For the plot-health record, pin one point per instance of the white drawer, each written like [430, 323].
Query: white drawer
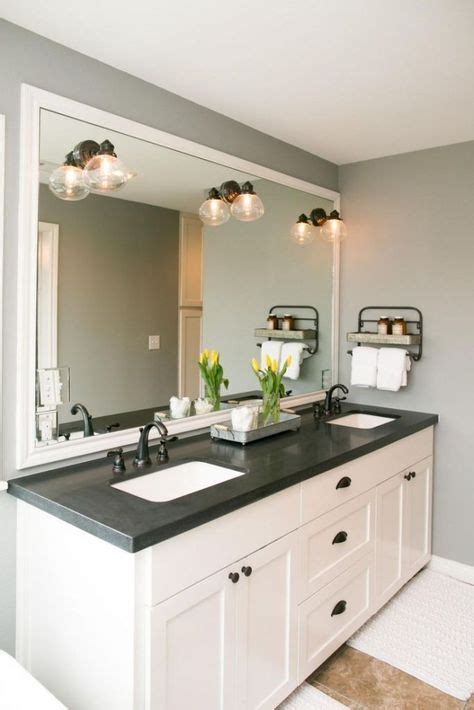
[330, 616]
[174, 564]
[332, 488]
[333, 542]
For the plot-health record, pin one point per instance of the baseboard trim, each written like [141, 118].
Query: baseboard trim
[458, 570]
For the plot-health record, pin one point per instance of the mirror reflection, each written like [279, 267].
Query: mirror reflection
[146, 258]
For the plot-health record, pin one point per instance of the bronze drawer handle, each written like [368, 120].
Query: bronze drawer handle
[345, 482]
[339, 608]
[340, 537]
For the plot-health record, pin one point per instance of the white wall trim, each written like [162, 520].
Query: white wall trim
[451, 568]
[32, 101]
[2, 188]
[3, 485]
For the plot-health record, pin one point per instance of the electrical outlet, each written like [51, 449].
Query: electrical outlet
[153, 342]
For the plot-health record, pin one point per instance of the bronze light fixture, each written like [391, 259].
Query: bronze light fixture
[332, 227]
[245, 204]
[89, 166]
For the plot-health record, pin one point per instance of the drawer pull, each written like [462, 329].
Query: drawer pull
[234, 577]
[345, 482]
[247, 571]
[410, 475]
[339, 608]
[340, 537]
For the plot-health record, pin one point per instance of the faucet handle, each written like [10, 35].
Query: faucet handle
[118, 465]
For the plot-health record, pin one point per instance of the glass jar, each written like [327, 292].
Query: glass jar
[399, 326]
[272, 322]
[271, 407]
[384, 325]
[288, 322]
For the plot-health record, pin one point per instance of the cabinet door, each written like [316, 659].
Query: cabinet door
[267, 625]
[417, 517]
[192, 648]
[190, 335]
[389, 538]
[190, 261]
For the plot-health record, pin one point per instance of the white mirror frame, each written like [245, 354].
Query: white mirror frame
[32, 101]
[3, 484]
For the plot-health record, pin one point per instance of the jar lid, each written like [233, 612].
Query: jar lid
[287, 315]
[383, 318]
[399, 318]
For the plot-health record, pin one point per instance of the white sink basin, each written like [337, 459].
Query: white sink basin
[359, 420]
[176, 481]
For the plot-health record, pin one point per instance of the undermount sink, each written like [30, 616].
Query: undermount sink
[176, 481]
[360, 420]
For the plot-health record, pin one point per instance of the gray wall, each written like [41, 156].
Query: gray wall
[35, 60]
[248, 267]
[411, 242]
[118, 284]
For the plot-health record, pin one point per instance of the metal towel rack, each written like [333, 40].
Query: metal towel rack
[374, 338]
[296, 335]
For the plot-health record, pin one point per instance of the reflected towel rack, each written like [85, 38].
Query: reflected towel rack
[298, 334]
[373, 338]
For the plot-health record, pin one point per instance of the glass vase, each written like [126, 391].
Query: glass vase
[271, 407]
[213, 396]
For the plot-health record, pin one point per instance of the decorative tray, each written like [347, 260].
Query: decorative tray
[288, 422]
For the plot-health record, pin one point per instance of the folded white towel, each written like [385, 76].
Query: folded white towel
[295, 350]
[273, 349]
[364, 366]
[391, 369]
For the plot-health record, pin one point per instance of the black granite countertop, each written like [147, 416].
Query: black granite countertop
[82, 495]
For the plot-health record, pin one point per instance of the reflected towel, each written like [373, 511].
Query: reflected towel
[272, 348]
[364, 366]
[391, 369]
[295, 350]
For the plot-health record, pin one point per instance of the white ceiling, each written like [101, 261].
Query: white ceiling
[165, 177]
[345, 79]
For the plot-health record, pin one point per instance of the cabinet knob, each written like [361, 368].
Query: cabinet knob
[234, 577]
[345, 482]
[410, 475]
[340, 537]
[339, 608]
[413, 474]
[247, 571]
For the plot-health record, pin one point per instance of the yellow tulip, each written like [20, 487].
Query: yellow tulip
[289, 360]
[255, 365]
[274, 366]
[268, 361]
[204, 355]
[214, 357]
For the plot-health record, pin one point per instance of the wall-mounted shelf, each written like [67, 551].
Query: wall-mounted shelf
[302, 334]
[373, 338]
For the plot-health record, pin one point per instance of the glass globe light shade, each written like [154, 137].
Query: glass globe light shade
[67, 183]
[248, 206]
[303, 231]
[214, 210]
[334, 228]
[105, 173]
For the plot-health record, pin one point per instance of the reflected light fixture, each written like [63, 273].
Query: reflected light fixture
[214, 211]
[332, 227]
[90, 166]
[245, 204]
[67, 181]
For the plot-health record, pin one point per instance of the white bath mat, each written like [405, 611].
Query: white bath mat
[426, 630]
[308, 698]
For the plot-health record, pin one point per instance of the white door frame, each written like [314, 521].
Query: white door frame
[32, 101]
[3, 484]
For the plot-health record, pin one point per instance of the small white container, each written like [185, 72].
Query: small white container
[202, 406]
[244, 418]
[180, 407]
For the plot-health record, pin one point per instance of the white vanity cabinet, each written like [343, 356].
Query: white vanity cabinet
[173, 628]
[225, 642]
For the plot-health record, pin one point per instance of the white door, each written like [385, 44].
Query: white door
[267, 625]
[192, 648]
[389, 538]
[417, 517]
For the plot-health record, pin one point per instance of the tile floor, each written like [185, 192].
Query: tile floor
[364, 683]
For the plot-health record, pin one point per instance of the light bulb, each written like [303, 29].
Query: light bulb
[334, 228]
[303, 231]
[248, 206]
[214, 210]
[67, 182]
[105, 172]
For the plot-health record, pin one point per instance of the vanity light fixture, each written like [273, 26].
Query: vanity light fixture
[332, 227]
[245, 204]
[214, 211]
[89, 166]
[67, 181]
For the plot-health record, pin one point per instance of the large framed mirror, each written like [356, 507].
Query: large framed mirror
[126, 276]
